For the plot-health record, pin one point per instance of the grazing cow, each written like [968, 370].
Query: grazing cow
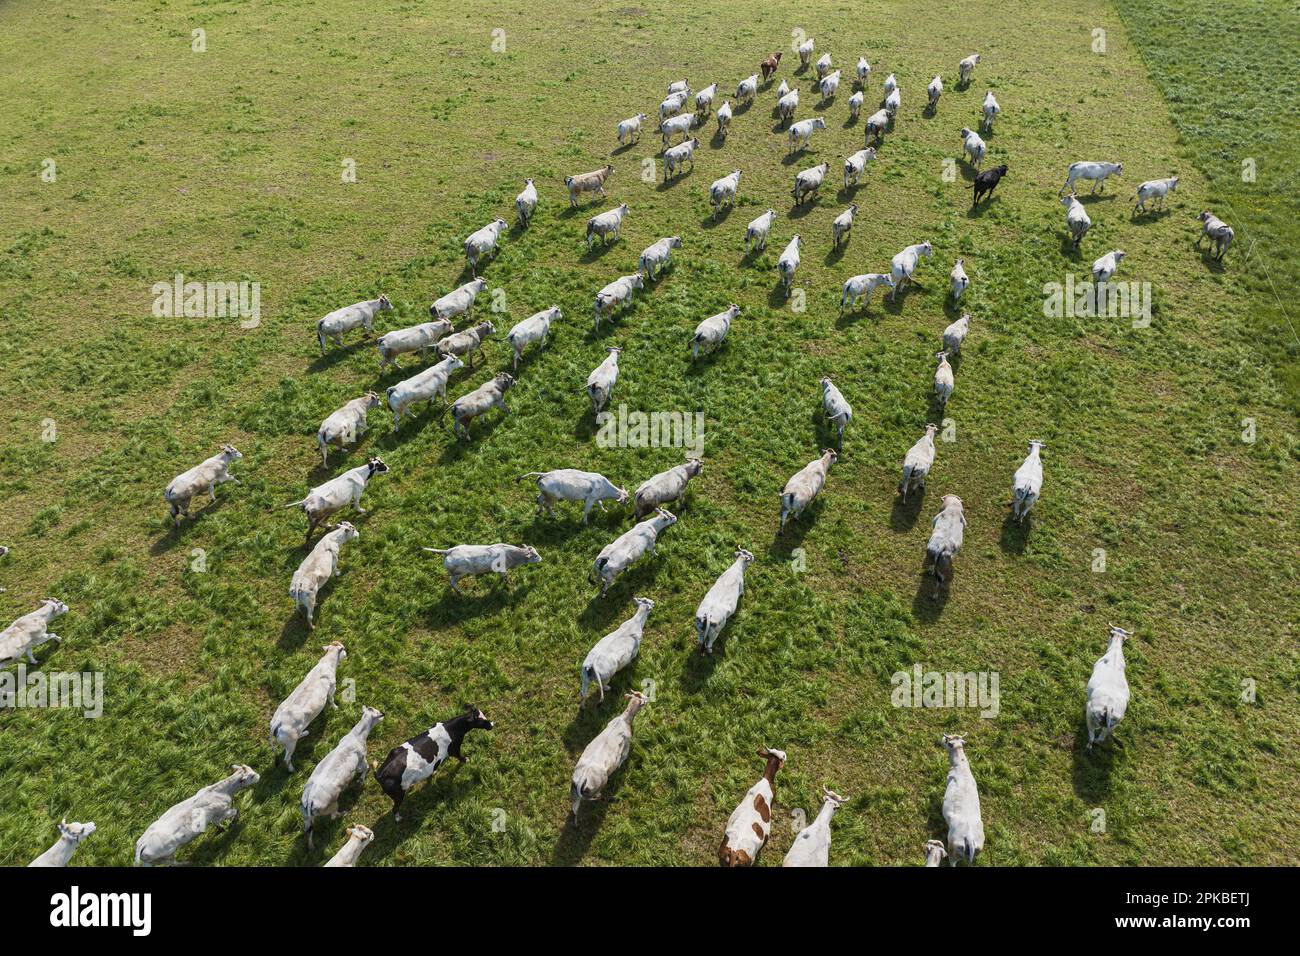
[961, 804]
[205, 476]
[29, 632]
[1218, 231]
[750, 823]
[945, 540]
[336, 771]
[70, 837]
[615, 651]
[605, 755]
[812, 844]
[629, 547]
[569, 484]
[419, 757]
[1107, 689]
[986, 182]
[1155, 190]
[188, 819]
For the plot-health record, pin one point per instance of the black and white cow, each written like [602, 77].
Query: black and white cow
[419, 757]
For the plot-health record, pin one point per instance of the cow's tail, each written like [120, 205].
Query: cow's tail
[436, 550]
[531, 474]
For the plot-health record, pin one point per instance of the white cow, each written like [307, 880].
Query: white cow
[304, 704]
[70, 837]
[721, 601]
[423, 387]
[465, 560]
[29, 632]
[627, 548]
[188, 819]
[903, 265]
[1097, 172]
[482, 242]
[1107, 689]
[569, 484]
[615, 651]
[605, 755]
[357, 315]
[917, 462]
[337, 493]
[317, 568]
[532, 330]
[359, 837]
[961, 804]
[812, 844]
[1028, 483]
[203, 477]
[600, 383]
[336, 772]
[345, 425]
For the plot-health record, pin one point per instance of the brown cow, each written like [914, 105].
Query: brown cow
[769, 65]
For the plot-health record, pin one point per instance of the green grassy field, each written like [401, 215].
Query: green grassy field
[226, 165]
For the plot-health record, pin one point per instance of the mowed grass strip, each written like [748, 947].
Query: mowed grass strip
[226, 165]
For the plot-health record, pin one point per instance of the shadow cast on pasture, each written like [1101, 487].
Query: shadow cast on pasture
[1015, 534]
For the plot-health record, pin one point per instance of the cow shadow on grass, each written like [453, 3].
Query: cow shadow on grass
[335, 354]
[576, 836]
[445, 788]
[930, 598]
[1069, 249]
[178, 533]
[698, 668]
[778, 298]
[214, 845]
[1091, 773]
[596, 252]
[1015, 534]
[1089, 198]
[799, 156]
[904, 514]
[457, 447]
[477, 597]
[718, 139]
[976, 211]
[836, 253]
[786, 542]
[712, 220]
[666, 184]
[620, 150]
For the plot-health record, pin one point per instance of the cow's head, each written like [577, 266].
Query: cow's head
[76, 832]
[476, 719]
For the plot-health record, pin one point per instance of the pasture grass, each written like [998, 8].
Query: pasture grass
[226, 165]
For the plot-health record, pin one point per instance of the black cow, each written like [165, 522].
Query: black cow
[985, 182]
[420, 756]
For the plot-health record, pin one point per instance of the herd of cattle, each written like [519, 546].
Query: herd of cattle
[417, 759]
